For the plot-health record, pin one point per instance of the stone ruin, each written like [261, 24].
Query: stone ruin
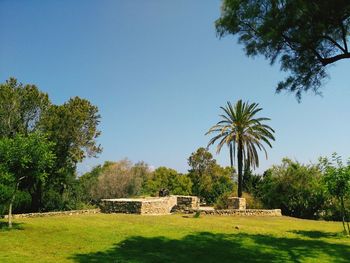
[150, 205]
[178, 203]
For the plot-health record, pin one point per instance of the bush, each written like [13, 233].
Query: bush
[209, 180]
[52, 200]
[220, 185]
[295, 188]
[170, 179]
[222, 202]
[252, 202]
[333, 209]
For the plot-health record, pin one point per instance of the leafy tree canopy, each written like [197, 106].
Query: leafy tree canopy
[169, 179]
[24, 160]
[71, 127]
[337, 179]
[21, 108]
[209, 179]
[305, 35]
[295, 188]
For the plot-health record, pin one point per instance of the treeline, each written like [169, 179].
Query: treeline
[314, 191]
[205, 179]
[41, 144]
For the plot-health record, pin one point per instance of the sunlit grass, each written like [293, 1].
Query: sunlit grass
[173, 238]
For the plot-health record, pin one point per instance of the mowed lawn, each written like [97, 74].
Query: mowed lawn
[172, 238]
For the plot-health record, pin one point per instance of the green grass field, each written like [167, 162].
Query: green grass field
[173, 238]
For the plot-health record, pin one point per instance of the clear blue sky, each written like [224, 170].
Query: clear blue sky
[158, 74]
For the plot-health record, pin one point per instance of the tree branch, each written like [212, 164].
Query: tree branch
[336, 44]
[289, 42]
[330, 60]
[343, 31]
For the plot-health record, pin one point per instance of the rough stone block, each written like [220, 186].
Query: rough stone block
[186, 202]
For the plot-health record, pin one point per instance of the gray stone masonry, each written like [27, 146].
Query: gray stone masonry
[149, 205]
[237, 203]
[238, 212]
[186, 202]
[58, 213]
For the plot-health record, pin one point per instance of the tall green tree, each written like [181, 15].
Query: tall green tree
[22, 107]
[337, 179]
[209, 180]
[243, 132]
[305, 35]
[24, 159]
[73, 127]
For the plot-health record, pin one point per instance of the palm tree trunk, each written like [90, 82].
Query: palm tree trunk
[231, 161]
[240, 168]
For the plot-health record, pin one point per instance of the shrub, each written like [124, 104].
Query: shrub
[170, 179]
[295, 188]
[209, 180]
[252, 202]
[222, 201]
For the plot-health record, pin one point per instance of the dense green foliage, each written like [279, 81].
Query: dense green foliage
[73, 128]
[305, 35]
[175, 238]
[170, 179]
[295, 188]
[337, 180]
[70, 131]
[243, 132]
[311, 191]
[209, 180]
[21, 108]
[25, 161]
[206, 179]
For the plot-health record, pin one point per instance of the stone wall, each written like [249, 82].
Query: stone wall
[239, 212]
[122, 205]
[186, 202]
[143, 206]
[159, 206]
[62, 213]
[152, 208]
[149, 205]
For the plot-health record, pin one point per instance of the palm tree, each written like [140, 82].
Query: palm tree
[243, 133]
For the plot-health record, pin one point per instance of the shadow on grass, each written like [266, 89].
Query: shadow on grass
[15, 226]
[317, 234]
[209, 247]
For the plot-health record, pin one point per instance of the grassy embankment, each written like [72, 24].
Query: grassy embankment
[173, 238]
